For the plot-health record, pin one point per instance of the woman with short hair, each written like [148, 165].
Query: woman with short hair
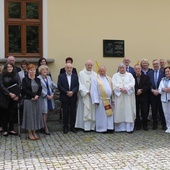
[32, 113]
[164, 90]
[47, 95]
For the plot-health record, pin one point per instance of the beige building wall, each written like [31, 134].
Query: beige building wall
[77, 28]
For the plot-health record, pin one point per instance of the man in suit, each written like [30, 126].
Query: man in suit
[68, 60]
[141, 93]
[11, 59]
[162, 64]
[155, 77]
[126, 62]
[68, 86]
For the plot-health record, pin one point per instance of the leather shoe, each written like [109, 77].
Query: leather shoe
[138, 128]
[164, 127]
[145, 128]
[46, 132]
[73, 130]
[13, 133]
[154, 127]
[5, 134]
[65, 130]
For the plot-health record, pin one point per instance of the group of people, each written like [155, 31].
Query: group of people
[33, 88]
[90, 101]
[95, 102]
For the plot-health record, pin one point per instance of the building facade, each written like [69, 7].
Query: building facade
[77, 28]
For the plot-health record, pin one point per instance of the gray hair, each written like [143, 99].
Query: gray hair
[42, 67]
[121, 65]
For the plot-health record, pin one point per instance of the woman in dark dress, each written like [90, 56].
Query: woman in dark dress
[32, 113]
[10, 78]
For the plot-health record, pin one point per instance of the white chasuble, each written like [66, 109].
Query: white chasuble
[85, 118]
[125, 105]
[103, 121]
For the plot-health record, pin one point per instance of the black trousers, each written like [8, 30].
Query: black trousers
[156, 107]
[1, 116]
[9, 116]
[143, 106]
[69, 110]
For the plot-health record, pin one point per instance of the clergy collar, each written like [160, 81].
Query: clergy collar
[88, 72]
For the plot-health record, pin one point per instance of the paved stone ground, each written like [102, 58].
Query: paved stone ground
[140, 150]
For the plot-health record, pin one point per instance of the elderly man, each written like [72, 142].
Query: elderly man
[101, 94]
[125, 107]
[68, 86]
[85, 110]
[11, 59]
[141, 92]
[162, 64]
[126, 62]
[155, 76]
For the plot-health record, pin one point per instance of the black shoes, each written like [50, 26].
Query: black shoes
[73, 130]
[145, 128]
[138, 127]
[10, 133]
[155, 127]
[164, 127]
[13, 133]
[44, 131]
[5, 134]
[65, 130]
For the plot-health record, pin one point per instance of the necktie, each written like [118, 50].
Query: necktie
[156, 78]
[138, 79]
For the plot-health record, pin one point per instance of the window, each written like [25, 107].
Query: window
[23, 28]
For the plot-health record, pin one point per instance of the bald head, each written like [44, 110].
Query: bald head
[68, 68]
[11, 59]
[102, 70]
[89, 65]
[162, 63]
[126, 61]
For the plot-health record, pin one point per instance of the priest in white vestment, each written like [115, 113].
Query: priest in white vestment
[124, 93]
[85, 118]
[101, 94]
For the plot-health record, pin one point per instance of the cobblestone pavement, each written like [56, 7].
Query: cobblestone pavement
[140, 150]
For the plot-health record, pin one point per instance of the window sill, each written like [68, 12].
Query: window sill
[30, 60]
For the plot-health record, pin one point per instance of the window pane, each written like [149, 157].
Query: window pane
[32, 39]
[14, 39]
[32, 10]
[14, 10]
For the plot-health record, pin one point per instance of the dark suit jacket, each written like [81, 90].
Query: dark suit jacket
[18, 69]
[151, 78]
[62, 70]
[144, 85]
[149, 69]
[64, 87]
[131, 70]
